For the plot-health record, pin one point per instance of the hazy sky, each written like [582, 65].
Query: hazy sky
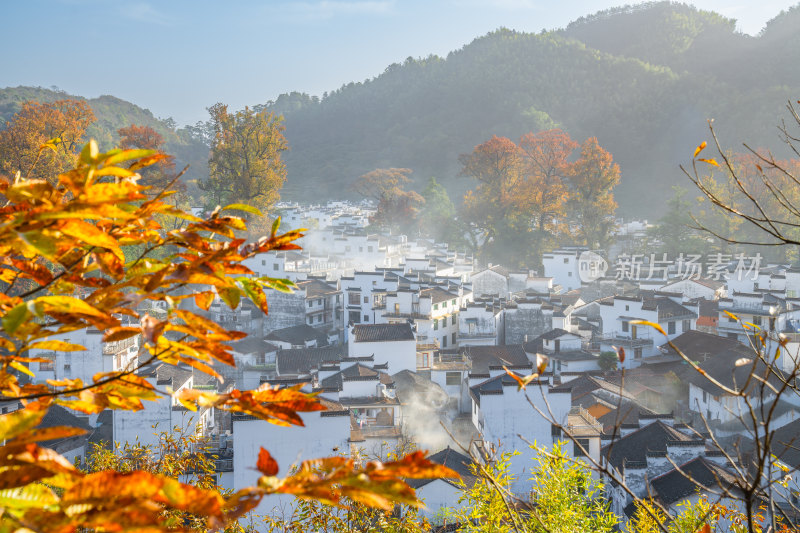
[177, 57]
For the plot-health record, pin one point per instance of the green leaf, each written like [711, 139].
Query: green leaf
[41, 242]
[32, 496]
[276, 225]
[254, 291]
[243, 207]
[90, 152]
[13, 319]
[120, 156]
[280, 285]
[230, 295]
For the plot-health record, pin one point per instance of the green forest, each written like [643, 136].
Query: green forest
[643, 80]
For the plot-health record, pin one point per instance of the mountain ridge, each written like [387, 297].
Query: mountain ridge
[642, 79]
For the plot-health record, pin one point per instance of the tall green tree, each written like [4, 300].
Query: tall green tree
[675, 229]
[245, 164]
[438, 217]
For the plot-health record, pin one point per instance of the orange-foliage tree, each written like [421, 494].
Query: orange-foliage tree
[531, 195]
[160, 175]
[397, 208]
[85, 250]
[591, 204]
[493, 207]
[61, 124]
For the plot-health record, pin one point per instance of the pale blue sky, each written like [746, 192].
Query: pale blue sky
[177, 57]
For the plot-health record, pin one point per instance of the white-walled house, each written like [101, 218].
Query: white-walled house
[501, 414]
[500, 282]
[363, 292]
[74, 449]
[563, 352]
[563, 266]
[166, 413]
[390, 344]
[729, 362]
[693, 480]
[323, 305]
[618, 312]
[369, 394]
[480, 323]
[324, 434]
[440, 494]
[456, 372]
[643, 454]
[98, 357]
[300, 336]
[434, 312]
[691, 288]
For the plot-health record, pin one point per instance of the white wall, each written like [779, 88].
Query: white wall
[400, 355]
[437, 495]
[322, 436]
[504, 417]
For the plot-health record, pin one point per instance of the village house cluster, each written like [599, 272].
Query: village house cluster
[409, 342]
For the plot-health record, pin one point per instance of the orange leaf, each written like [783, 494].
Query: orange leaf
[120, 333]
[204, 299]
[711, 161]
[521, 382]
[267, 465]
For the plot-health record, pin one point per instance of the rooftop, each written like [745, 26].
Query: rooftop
[382, 332]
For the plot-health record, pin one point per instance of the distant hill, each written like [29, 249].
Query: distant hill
[113, 113]
[642, 79]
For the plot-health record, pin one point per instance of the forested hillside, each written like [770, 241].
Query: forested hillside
[643, 80]
[111, 114]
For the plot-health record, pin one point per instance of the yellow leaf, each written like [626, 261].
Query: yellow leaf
[21, 421]
[711, 161]
[699, 148]
[22, 368]
[89, 234]
[68, 304]
[58, 346]
[651, 324]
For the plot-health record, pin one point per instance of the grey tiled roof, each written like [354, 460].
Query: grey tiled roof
[304, 360]
[675, 485]
[485, 357]
[634, 446]
[453, 460]
[382, 332]
[294, 335]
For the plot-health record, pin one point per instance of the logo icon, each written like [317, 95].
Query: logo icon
[591, 266]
